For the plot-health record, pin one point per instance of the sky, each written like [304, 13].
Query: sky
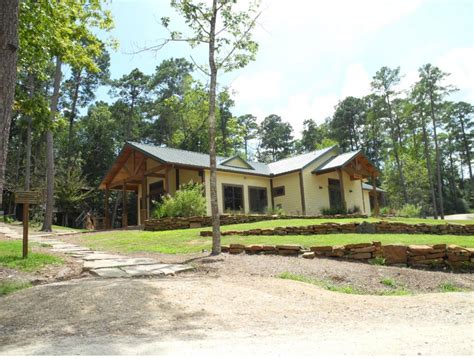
[312, 53]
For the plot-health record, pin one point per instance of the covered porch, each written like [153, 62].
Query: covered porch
[149, 178]
[351, 166]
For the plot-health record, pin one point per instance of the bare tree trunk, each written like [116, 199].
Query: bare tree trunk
[438, 160]
[48, 215]
[8, 60]
[428, 167]
[395, 142]
[468, 153]
[114, 212]
[31, 84]
[72, 116]
[216, 231]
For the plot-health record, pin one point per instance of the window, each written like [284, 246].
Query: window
[279, 191]
[233, 197]
[257, 199]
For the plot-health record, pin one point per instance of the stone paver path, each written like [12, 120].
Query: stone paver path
[101, 264]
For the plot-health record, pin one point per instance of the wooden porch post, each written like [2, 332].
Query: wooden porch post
[341, 185]
[106, 208]
[374, 193]
[167, 180]
[124, 206]
[144, 201]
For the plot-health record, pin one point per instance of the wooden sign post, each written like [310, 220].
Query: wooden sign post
[26, 198]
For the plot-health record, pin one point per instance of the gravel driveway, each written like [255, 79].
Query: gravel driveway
[230, 316]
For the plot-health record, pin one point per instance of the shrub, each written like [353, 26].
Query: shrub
[409, 210]
[333, 211]
[187, 201]
[385, 211]
[377, 261]
[278, 211]
[353, 210]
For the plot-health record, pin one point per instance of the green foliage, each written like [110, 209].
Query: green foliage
[410, 211]
[277, 211]
[332, 211]
[377, 261]
[276, 139]
[9, 286]
[187, 201]
[447, 287]
[389, 282]
[385, 211]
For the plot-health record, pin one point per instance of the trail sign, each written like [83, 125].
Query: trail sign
[26, 198]
[29, 197]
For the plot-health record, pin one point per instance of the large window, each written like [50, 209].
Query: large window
[233, 197]
[335, 197]
[257, 199]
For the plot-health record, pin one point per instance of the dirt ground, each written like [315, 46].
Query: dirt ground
[230, 316]
[234, 306]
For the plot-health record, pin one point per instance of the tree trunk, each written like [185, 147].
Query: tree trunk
[216, 231]
[72, 116]
[468, 153]
[428, 167]
[31, 84]
[395, 142]
[438, 160]
[8, 60]
[114, 212]
[48, 215]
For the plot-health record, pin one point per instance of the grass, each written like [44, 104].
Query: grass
[189, 240]
[449, 287]
[389, 282]
[11, 257]
[7, 287]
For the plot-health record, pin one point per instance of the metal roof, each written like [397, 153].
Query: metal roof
[337, 161]
[201, 160]
[297, 162]
[368, 187]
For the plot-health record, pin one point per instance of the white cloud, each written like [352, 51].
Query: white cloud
[460, 64]
[357, 81]
[261, 86]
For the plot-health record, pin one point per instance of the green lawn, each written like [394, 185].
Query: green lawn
[189, 240]
[11, 257]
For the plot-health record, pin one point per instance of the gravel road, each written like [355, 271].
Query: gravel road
[230, 316]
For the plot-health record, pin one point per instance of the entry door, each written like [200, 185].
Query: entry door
[258, 199]
[335, 198]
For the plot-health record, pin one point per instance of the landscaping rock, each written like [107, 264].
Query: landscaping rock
[308, 255]
[394, 254]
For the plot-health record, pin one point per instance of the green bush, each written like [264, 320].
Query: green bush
[333, 211]
[187, 201]
[409, 210]
[278, 211]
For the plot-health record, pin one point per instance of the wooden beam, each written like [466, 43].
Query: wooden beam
[374, 193]
[124, 206]
[167, 180]
[271, 193]
[177, 179]
[156, 169]
[141, 161]
[341, 186]
[303, 204]
[362, 191]
[106, 208]
[144, 201]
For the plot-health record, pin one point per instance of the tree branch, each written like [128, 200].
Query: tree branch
[200, 67]
[237, 42]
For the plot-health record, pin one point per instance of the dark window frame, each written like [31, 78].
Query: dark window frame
[275, 189]
[241, 187]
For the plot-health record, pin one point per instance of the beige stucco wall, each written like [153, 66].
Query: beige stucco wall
[237, 162]
[367, 202]
[291, 201]
[186, 176]
[237, 179]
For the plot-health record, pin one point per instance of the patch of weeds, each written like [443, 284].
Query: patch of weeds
[7, 287]
[449, 287]
[389, 282]
[321, 283]
[399, 291]
[45, 245]
[377, 261]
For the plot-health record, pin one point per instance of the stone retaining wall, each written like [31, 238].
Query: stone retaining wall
[364, 227]
[168, 223]
[438, 256]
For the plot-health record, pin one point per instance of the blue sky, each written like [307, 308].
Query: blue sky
[314, 53]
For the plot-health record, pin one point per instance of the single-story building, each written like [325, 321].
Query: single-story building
[301, 185]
